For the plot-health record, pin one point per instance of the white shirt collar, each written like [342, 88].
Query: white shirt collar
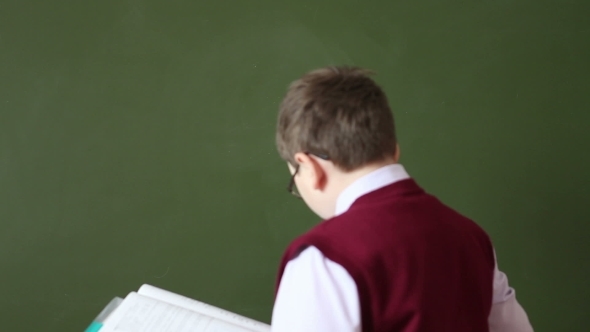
[377, 179]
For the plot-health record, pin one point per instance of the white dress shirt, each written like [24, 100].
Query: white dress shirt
[317, 294]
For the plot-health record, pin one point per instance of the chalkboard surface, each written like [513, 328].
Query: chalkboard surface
[137, 142]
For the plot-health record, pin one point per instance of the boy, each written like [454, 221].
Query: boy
[389, 256]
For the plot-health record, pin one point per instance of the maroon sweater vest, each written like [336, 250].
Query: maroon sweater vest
[418, 265]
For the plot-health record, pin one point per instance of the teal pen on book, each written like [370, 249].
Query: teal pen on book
[97, 323]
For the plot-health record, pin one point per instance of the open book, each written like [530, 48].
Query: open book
[152, 309]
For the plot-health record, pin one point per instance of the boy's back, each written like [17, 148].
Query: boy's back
[417, 264]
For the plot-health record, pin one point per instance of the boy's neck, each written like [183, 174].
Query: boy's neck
[345, 179]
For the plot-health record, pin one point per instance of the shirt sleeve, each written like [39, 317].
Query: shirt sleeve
[507, 315]
[316, 294]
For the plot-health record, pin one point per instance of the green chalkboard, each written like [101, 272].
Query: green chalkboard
[137, 142]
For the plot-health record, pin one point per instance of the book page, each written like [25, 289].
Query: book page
[203, 308]
[138, 313]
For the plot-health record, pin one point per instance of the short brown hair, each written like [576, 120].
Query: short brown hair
[339, 112]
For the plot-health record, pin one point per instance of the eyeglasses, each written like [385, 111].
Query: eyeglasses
[292, 188]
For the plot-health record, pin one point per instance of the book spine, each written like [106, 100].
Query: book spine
[94, 327]
[98, 322]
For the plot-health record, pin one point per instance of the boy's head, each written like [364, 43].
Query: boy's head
[334, 126]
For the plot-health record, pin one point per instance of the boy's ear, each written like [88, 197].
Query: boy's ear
[311, 171]
[397, 153]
